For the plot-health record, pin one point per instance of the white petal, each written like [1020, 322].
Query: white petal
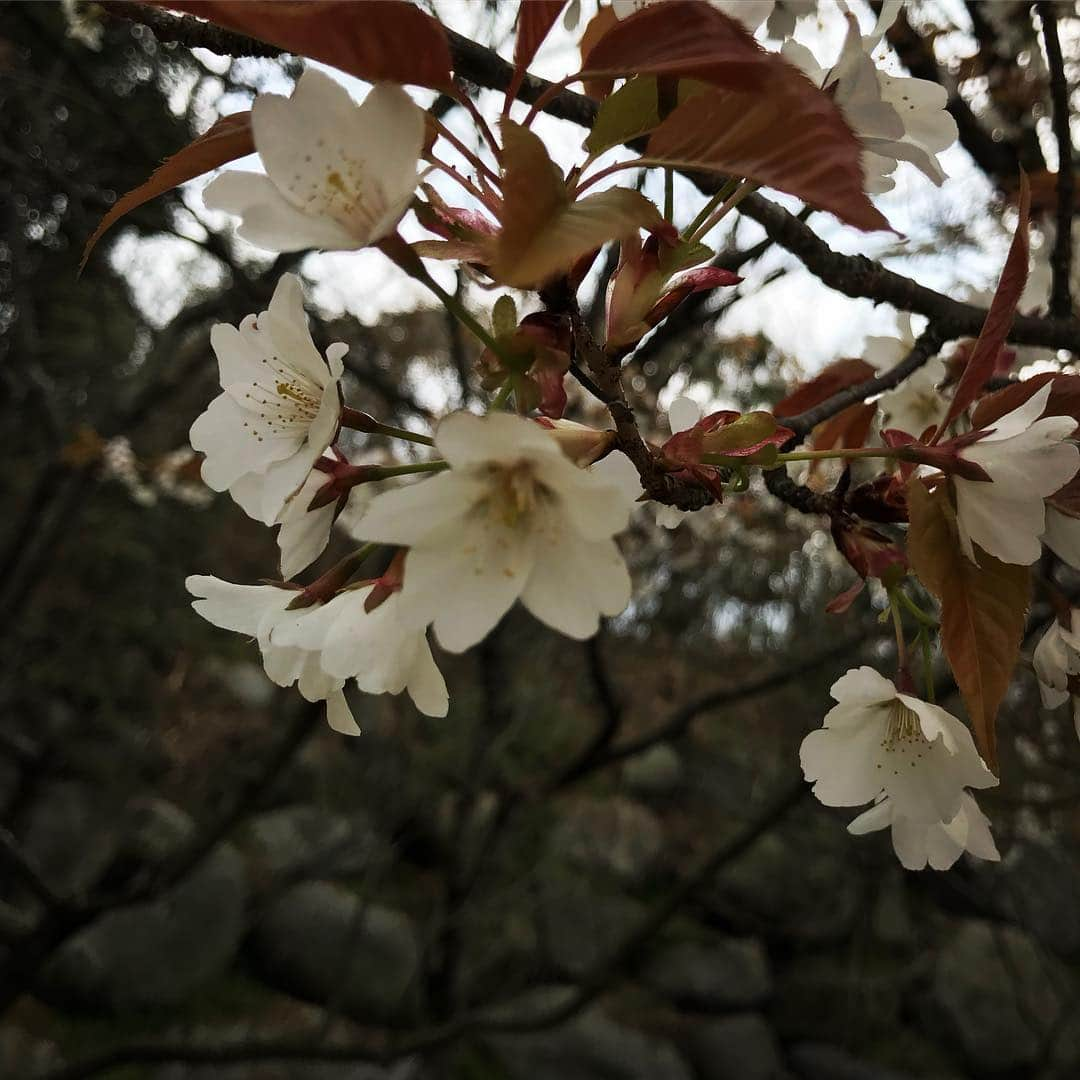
[575, 582]
[465, 439]
[339, 716]
[465, 582]
[980, 841]
[862, 686]
[842, 765]
[879, 816]
[268, 219]
[426, 685]
[409, 514]
[239, 608]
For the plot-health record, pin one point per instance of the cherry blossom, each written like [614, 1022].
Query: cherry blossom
[917, 402]
[938, 844]
[897, 118]
[512, 519]
[1056, 658]
[876, 740]
[256, 610]
[376, 648]
[279, 408]
[1027, 459]
[338, 175]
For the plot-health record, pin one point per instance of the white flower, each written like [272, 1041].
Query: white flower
[338, 175]
[939, 844]
[512, 519]
[279, 410]
[916, 403]
[304, 533]
[876, 740]
[376, 648]
[1056, 657]
[255, 610]
[895, 117]
[751, 13]
[1027, 459]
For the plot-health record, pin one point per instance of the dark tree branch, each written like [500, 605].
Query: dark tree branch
[1061, 259]
[804, 499]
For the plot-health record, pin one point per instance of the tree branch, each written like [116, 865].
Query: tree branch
[1061, 259]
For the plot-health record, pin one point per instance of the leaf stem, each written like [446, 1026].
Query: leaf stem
[830, 455]
[725, 191]
[501, 397]
[669, 193]
[747, 187]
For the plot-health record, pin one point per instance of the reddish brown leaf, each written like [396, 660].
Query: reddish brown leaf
[598, 26]
[230, 138]
[542, 231]
[535, 19]
[999, 318]
[983, 609]
[378, 40]
[833, 378]
[1064, 399]
[789, 135]
[1067, 499]
[686, 38]
[847, 430]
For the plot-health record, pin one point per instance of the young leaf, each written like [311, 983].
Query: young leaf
[632, 111]
[543, 232]
[598, 26]
[230, 138]
[832, 378]
[999, 318]
[686, 38]
[982, 609]
[378, 40]
[790, 136]
[848, 429]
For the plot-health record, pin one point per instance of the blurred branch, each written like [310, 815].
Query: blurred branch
[611, 709]
[680, 720]
[1061, 259]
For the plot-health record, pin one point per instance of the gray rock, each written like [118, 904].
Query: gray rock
[70, 836]
[590, 1047]
[741, 1047]
[614, 835]
[158, 953]
[23, 1054]
[578, 930]
[323, 943]
[656, 772]
[1037, 885]
[798, 882]
[308, 839]
[816, 1061]
[1002, 998]
[715, 973]
[303, 1070]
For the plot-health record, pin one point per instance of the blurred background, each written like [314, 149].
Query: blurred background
[609, 841]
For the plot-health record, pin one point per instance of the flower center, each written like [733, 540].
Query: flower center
[514, 493]
[903, 740]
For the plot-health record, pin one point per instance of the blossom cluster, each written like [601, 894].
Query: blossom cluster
[525, 505]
